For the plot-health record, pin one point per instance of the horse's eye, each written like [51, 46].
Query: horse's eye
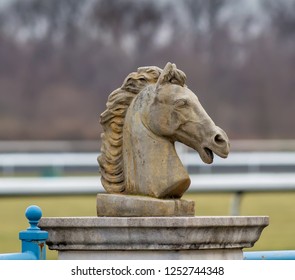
[180, 103]
[142, 80]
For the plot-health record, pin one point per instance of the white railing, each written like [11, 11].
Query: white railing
[253, 161]
[232, 183]
[280, 178]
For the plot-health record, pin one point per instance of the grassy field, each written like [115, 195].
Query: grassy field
[279, 235]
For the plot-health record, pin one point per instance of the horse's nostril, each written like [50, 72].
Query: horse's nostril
[219, 139]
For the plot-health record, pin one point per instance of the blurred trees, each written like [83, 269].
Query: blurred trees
[60, 59]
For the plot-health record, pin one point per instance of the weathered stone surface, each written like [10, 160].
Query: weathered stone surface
[153, 109]
[153, 234]
[116, 205]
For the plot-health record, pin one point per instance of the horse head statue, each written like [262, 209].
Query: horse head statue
[144, 118]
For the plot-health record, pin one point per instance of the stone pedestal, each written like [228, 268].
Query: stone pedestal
[117, 205]
[152, 237]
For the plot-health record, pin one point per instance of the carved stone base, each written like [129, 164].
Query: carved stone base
[116, 205]
[152, 237]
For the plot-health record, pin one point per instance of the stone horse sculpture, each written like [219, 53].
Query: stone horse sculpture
[153, 109]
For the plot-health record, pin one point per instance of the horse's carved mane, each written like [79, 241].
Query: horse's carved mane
[112, 121]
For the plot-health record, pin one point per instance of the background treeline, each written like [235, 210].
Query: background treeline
[60, 59]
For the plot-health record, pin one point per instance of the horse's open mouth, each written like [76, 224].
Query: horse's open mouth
[207, 155]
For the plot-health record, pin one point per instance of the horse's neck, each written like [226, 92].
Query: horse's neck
[151, 164]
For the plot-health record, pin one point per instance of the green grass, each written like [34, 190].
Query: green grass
[12, 219]
[279, 235]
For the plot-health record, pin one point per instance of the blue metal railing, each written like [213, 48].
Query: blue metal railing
[33, 239]
[270, 255]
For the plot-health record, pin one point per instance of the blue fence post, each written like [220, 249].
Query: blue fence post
[34, 239]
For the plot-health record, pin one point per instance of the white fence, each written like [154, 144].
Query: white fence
[253, 161]
[253, 180]
[235, 183]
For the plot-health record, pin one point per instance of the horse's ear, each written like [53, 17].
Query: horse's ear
[171, 74]
[166, 74]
